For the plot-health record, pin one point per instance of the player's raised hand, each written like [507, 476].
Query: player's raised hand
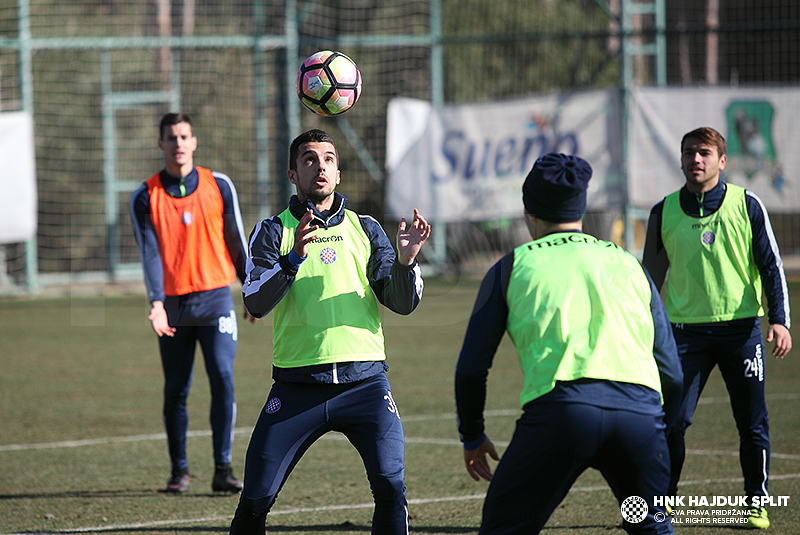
[302, 234]
[477, 463]
[410, 238]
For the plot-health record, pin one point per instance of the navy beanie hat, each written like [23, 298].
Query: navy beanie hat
[555, 189]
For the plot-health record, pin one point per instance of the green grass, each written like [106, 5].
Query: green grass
[87, 369]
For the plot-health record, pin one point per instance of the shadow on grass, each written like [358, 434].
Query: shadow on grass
[593, 528]
[119, 493]
[162, 529]
[345, 527]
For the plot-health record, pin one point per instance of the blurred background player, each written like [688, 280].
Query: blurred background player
[189, 229]
[716, 241]
[322, 269]
[596, 352]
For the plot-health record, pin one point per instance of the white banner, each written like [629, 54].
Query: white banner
[18, 179]
[759, 126]
[468, 163]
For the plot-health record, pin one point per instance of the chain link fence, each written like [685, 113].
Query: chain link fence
[98, 74]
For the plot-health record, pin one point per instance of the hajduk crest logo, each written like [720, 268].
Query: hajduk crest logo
[327, 255]
[708, 237]
[273, 406]
[187, 218]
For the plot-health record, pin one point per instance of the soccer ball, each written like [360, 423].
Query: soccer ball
[328, 83]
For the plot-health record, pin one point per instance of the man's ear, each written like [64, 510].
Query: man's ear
[292, 176]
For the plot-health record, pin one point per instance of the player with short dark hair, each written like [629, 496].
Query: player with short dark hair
[716, 241]
[597, 356]
[188, 226]
[321, 270]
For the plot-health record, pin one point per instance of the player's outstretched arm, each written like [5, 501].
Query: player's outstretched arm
[477, 463]
[410, 238]
[783, 340]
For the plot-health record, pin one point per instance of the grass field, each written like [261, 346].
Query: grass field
[82, 447]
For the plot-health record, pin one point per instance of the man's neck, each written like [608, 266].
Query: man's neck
[179, 171]
[539, 228]
[324, 206]
[699, 189]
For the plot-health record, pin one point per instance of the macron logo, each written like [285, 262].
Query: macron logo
[328, 239]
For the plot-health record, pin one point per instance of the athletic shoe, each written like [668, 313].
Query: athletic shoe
[757, 518]
[178, 483]
[224, 481]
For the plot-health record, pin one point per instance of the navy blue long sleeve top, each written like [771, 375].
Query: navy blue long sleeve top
[765, 247]
[486, 329]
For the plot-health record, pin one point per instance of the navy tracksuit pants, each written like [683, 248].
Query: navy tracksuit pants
[556, 442]
[295, 416]
[739, 354]
[207, 318]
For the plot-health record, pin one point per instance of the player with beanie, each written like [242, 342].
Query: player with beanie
[601, 372]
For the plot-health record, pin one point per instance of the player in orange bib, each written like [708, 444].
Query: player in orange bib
[188, 225]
